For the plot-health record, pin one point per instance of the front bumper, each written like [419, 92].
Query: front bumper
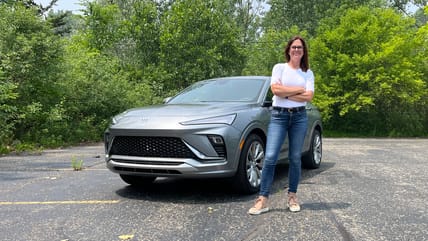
[166, 167]
[187, 153]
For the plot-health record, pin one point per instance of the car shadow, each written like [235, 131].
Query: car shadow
[176, 190]
[200, 191]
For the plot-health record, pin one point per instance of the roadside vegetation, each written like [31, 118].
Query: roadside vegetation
[63, 75]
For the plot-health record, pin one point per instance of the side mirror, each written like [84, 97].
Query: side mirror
[267, 103]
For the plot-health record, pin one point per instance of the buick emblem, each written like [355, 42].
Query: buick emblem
[144, 119]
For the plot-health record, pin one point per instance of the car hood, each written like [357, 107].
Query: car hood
[170, 116]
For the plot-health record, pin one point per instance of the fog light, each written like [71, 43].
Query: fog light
[218, 143]
[216, 140]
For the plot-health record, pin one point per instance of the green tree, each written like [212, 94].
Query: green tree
[198, 41]
[8, 112]
[421, 17]
[129, 32]
[268, 51]
[104, 26]
[247, 15]
[30, 60]
[307, 14]
[64, 23]
[110, 67]
[421, 59]
[31, 4]
[402, 5]
[366, 75]
[126, 29]
[96, 88]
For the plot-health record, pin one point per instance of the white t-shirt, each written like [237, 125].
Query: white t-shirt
[285, 75]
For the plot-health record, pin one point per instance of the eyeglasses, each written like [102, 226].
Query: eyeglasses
[297, 47]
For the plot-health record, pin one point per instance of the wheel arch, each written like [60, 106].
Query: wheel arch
[317, 125]
[249, 131]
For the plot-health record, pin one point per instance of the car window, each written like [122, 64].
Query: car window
[221, 90]
[269, 95]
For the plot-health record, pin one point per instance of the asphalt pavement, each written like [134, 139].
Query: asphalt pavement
[365, 189]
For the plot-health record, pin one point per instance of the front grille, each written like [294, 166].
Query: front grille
[150, 146]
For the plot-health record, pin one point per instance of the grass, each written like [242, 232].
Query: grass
[76, 164]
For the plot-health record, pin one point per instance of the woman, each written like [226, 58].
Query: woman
[292, 84]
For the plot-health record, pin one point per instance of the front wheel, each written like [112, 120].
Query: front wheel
[248, 176]
[312, 159]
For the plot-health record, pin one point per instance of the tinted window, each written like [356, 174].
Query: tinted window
[221, 90]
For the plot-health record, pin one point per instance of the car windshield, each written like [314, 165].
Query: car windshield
[221, 90]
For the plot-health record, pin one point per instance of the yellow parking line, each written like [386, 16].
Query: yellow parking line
[62, 202]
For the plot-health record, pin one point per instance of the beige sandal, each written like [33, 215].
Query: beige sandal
[260, 206]
[293, 203]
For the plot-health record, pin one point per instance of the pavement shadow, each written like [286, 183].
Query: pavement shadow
[281, 176]
[325, 206]
[316, 206]
[177, 190]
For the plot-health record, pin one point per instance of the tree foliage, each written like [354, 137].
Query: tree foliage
[198, 41]
[31, 56]
[307, 14]
[367, 73]
[248, 16]
[63, 76]
[268, 51]
[97, 87]
[128, 30]
[8, 111]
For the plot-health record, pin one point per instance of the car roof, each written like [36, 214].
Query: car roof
[243, 77]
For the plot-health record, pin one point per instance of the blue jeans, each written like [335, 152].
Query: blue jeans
[281, 123]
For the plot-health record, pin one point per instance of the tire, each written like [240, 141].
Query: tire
[312, 159]
[249, 173]
[137, 180]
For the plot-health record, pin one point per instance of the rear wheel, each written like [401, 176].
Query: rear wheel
[137, 180]
[312, 159]
[249, 173]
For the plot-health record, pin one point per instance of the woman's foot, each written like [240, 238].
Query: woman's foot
[260, 206]
[293, 203]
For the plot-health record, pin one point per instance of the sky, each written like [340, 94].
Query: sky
[71, 5]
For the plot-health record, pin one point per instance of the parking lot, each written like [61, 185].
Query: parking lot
[366, 189]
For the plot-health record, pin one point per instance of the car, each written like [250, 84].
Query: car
[215, 128]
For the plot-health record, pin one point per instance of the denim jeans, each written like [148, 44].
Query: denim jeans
[281, 123]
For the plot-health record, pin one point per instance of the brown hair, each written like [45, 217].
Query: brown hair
[304, 62]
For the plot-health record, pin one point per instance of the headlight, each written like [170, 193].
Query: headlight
[224, 119]
[117, 118]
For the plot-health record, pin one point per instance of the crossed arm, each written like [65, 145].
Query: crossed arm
[294, 93]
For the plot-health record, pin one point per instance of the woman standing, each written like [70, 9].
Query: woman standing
[292, 84]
